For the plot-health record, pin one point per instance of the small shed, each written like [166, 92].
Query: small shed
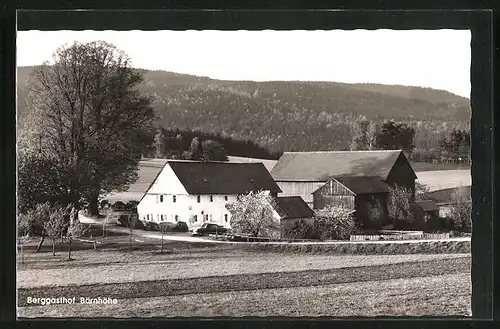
[292, 210]
[426, 210]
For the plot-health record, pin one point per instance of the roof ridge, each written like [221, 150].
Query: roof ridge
[357, 151]
[214, 162]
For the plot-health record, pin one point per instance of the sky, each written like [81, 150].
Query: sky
[437, 59]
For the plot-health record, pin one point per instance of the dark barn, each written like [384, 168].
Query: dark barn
[302, 173]
[367, 196]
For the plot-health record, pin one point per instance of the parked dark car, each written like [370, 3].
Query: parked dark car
[210, 228]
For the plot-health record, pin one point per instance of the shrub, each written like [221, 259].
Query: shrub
[123, 221]
[166, 226]
[180, 227]
[151, 226]
[301, 229]
[460, 215]
[131, 206]
[334, 222]
[399, 206]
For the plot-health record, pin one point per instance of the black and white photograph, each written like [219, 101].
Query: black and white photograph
[262, 173]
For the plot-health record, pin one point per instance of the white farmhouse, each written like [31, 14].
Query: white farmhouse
[197, 192]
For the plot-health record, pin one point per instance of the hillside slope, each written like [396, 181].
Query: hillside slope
[287, 115]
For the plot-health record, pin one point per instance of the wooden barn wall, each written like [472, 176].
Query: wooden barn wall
[302, 189]
[334, 193]
[402, 174]
[366, 215]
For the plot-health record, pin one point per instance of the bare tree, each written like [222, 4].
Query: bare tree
[31, 222]
[85, 109]
[132, 220]
[75, 230]
[54, 226]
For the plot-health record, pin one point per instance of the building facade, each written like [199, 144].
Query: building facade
[196, 192]
[366, 196]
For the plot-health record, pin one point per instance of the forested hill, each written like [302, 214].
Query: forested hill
[282, 115]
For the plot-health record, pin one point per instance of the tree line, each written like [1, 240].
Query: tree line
[452, 146]
[204, 146]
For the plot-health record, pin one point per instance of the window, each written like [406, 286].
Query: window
[161, 198]
[195, 218]
[211, 198]
[198, 199]
[206, 217]
[225, 197]
[176, 218]
[147, 216]
[161, 217]
[157, 217]
[174, 198]
[225, 218]
[210, 217]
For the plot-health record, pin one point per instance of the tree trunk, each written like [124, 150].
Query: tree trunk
[62, 239]
[53, 246]
[93, 209]
[42, 238]
[131, 236]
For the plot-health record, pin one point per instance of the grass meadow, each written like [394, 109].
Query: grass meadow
[208, 280]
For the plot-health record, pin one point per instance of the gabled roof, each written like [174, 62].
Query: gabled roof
[427, 205]
[446, 196]
[361, 185]
[269, 164]
[223, 177]
[293, 207]
[323, 165]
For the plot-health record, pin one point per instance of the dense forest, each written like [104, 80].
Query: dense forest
[272, 117]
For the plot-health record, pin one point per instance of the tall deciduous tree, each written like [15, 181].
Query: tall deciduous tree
[195, 150]
[159, 144]
[40, 180]
[253, 214]
[88, 116]
[213, 151]
[393, 136]
[361, 140]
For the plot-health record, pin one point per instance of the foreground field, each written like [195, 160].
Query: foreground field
[197, 280]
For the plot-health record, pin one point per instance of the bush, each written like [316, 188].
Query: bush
[302, 229]
[167, 226]
[151, 226]
[333, 222]
[131, 206]
[123, 221]
[180, 227]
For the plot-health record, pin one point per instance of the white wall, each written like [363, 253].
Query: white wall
[159, 200]
[186, 208]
